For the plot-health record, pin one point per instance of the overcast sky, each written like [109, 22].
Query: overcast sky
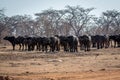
[30, 7]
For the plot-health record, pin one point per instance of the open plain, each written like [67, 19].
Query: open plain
[102, 64]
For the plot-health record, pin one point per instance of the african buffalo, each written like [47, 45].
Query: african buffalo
[12, 40]
[72, 43]
[84, 42]
[115, 39]
[100, 41]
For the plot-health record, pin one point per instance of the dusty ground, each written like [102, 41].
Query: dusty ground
[101, 64]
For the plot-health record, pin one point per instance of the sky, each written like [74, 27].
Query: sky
[30, 7]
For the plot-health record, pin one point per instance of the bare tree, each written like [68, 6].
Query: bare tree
[108, 18]
[65, 28]
[21, 25]
[73, 20]
[78, 18]
[50, 21]
[2, 23]
[116, 24]
[107, 23]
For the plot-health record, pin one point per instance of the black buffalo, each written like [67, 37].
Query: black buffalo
[45, 42]
[54, 44]
[39, 43]
[12, 40]
[63, 42]
[115, 39]
[69, 43]
[72, 43]
[100, 41]
[31, 42]
[84, 42]
[20, 40]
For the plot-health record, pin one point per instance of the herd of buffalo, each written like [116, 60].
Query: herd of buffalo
[66, 43]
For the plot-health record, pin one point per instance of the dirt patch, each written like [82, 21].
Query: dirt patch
[6, 78]
[103, 64]
[98, 75]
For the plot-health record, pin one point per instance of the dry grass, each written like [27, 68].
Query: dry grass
[101, 64]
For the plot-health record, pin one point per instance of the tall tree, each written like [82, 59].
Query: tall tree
[78, 18]
[2, 23]
[108, 18]
[21, 25]
[50, 21]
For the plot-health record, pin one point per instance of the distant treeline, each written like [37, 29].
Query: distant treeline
[72, 20]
